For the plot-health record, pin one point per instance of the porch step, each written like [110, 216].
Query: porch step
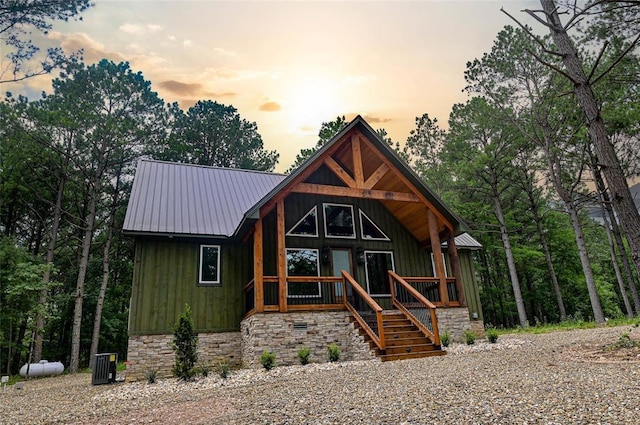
[403, 340]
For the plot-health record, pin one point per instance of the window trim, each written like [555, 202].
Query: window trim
[315, 208]
[218, 271]
[324, 219]
[366, 269]
[362, 236]
[317, 251]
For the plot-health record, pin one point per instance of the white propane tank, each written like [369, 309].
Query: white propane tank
[43, 368]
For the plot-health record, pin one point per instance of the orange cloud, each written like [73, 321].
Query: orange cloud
[92, 51]
[376, 120]
[181, 88]
[270, 107]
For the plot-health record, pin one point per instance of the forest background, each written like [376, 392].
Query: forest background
[537, 162]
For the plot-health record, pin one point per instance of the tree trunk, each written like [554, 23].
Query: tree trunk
[606, 204]
[82, 272]
[598, 315]
[95, 338]
[616, 267]
[547, 256]
[621, 196]
[511, 264]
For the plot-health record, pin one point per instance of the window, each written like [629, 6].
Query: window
[338, 221]
[369, 230]
[307, 226]
[444, 261]
[209, 264]
[303, 262]
[377, 265]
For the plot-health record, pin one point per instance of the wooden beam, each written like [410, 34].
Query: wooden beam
[454, 260]
[339, 171]
[258, 269]
[318, 189]
[437, 257]
[282, 257]
[357, 160]
[406, 181]
[376, 176]
[301, 177]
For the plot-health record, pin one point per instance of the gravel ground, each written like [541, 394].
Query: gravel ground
[556, 378]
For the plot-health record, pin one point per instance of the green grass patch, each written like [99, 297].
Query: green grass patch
[568, 325]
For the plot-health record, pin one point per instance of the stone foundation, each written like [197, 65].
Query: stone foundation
[456, 321]
[285, 333]
[154, 352]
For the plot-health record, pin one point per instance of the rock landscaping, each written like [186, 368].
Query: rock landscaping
[571, 377]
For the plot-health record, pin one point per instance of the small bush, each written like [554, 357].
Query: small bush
[185, 344]
[469, 337]
[445, 339]
[333, 352]
[223, 368]
[204, 369]
[268, 360]
[492, 335]
[151, 375]
[303, 355]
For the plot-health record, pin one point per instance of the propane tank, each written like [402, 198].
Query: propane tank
[43, 368]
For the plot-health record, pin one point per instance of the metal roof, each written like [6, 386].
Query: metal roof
[465, 240]
[186, 199]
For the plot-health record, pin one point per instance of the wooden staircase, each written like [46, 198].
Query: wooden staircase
[403, 340]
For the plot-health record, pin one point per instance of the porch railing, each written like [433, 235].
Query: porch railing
[429, 287]
[303, 293]
[364, 309]
[416, 306]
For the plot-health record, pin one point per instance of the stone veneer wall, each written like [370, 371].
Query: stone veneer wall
[276, 332]
[456, 321]
[154, 352]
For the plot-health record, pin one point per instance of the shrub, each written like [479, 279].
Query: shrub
[268, 360]
[303, 355]
[185, 344]
[492, 335]
[333, 352]
[151, 375]
[469, 337]
[223, 368]
[445, 339]
[204, 369]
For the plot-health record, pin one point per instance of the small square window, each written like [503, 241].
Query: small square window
[338, 221]
[209, 264]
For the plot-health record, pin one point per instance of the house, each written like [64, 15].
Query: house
[351, 248]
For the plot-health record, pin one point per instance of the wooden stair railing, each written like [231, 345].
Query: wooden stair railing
[415, 306]
[355, 294]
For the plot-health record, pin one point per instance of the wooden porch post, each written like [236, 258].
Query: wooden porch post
[455, 267]
[258, 270]
[282, 257]
[437, 258]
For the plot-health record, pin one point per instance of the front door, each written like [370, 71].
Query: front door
[340, 260]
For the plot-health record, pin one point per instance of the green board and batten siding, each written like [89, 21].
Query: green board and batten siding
[166, 278]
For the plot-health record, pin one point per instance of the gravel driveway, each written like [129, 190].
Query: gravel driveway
[556, 378]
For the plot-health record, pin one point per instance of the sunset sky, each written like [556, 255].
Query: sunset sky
[289, 66]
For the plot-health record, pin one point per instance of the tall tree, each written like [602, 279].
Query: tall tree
[482, 147]
[19, 19]
[116, 113]
[210, 133]
[624, 17]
